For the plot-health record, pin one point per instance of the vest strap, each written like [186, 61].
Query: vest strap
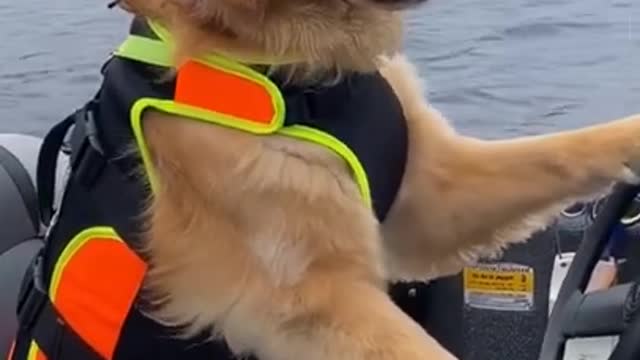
[146, 50]
[32, 293]
[52, 144]
[51, 334]
[47, 164]
[223, 92]
[87, 156]
[45, 330]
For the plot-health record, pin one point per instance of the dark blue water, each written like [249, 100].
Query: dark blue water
[495, 68]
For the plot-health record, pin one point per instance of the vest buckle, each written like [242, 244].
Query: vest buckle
[87, 152]
[33, 296]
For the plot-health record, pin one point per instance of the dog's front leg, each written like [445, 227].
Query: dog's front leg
[474, 197]
[266, 241]
[465, 198]
[330, 316]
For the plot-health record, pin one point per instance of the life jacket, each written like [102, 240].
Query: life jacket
[81, 298]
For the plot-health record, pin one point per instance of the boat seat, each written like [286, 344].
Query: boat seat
[20, 225]
[13, 265]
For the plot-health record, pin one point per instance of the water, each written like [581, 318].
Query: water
[495, 68]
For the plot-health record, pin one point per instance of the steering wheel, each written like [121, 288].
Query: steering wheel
[599, 313]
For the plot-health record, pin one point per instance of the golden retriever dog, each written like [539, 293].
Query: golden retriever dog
[264, 240]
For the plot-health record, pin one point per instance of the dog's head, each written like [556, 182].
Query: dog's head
[305, 37]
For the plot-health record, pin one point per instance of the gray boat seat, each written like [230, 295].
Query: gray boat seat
[20, 226]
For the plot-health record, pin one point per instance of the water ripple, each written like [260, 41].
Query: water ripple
[495, 68]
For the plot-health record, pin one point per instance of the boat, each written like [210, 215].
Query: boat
[475, 323]
[21, 231]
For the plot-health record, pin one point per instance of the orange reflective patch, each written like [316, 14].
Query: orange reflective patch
[96, 289]
[223, 92]
[40, 356]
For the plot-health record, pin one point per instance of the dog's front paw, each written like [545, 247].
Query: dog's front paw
[611, 150]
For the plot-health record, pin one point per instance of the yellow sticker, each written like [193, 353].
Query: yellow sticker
[502, 286]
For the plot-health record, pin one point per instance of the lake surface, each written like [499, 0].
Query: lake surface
[495, 68]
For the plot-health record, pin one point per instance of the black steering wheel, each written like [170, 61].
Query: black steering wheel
[600, 313]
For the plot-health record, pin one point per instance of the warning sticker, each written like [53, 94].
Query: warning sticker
[503, 286]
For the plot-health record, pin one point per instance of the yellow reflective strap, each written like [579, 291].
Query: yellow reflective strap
[322, 138]
[145, 50]
[195, 113]
[157, 52]
[296, 131]
[34, 350]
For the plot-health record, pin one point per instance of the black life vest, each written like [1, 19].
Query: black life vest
[68, 309]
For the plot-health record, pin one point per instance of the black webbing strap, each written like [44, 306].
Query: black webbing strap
[47, 165]
[83, 136]
[39, 321]
[58, 341]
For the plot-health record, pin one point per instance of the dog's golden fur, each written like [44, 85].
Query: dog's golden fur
[265, 241]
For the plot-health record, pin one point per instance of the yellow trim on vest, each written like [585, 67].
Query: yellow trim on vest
[150, 51]
[155, 52]
[34, 349]
[72, 248]
[175, 108]
[158, 53]
[322, 138]
[172, 107]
